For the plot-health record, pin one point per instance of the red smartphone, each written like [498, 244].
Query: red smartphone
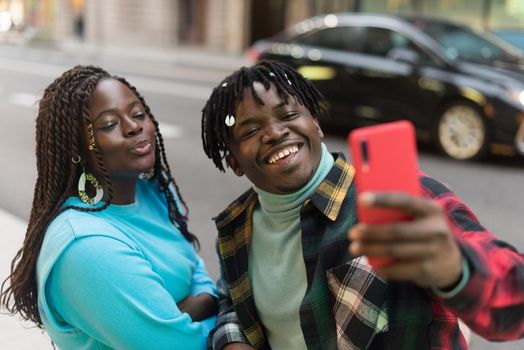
[385, 159]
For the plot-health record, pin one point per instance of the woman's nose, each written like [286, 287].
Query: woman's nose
[132, 126]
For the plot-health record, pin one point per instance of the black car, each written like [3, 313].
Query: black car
[462, 89]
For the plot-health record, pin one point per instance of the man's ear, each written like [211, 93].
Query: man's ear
[319, 129]
[233, 164]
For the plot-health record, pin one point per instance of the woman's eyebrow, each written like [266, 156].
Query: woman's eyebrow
[115, 110]
[107, 111]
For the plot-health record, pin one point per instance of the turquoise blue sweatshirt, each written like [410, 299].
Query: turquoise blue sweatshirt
[112, 279]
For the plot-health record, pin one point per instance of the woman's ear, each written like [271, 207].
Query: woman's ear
[233, 164]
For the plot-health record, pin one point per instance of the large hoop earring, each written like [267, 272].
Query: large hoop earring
[82, 188]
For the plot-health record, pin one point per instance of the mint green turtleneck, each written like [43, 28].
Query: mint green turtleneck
[276, 265]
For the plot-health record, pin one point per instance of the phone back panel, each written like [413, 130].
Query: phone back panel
[385, 158]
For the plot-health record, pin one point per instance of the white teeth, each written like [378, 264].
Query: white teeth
[283, 153]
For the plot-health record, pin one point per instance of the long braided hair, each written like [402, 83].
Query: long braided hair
[229, 93]
[63, 115]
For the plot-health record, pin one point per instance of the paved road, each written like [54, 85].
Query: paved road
[492, 188]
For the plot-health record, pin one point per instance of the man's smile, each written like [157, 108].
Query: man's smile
[282, 153]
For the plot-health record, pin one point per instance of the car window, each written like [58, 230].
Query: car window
[377, 41]
[339, 38]
[380, 41]
[460, 42]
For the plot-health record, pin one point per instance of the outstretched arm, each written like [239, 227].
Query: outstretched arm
[443, 242]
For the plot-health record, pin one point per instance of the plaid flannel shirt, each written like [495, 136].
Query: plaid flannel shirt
[346, 305]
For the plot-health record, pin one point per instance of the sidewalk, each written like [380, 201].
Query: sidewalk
[13, 333]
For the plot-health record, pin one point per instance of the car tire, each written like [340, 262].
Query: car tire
[461, 131]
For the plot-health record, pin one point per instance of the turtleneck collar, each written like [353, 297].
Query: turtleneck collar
[287, 204]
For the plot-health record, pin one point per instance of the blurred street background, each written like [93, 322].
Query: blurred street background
[175, 52]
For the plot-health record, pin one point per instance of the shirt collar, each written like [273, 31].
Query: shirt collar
[327, 198]
[330, 194]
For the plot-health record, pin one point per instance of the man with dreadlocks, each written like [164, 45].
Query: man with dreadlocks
[108, 261]
[289, 280]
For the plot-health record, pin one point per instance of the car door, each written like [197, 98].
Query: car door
[350, 65]
[391, 89]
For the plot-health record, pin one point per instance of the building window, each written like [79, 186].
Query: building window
[507, 15]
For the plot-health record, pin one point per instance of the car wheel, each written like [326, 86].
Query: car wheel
[461, 131]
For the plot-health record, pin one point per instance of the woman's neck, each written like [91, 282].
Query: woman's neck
[124, 191]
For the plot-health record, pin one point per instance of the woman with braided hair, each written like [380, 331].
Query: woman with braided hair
[108, 260]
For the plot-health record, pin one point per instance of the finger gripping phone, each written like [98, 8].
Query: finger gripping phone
[385, 160]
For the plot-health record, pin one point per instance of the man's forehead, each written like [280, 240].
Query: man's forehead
[263, 93]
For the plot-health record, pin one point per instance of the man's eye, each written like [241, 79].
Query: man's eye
[140, 115]
[249, 133]
[289, 116]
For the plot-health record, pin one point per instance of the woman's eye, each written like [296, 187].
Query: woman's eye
[107, 126]
[140, 115]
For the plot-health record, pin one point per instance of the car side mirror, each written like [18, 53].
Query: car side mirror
[404, 55]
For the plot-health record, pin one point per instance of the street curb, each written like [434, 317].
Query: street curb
[193, 57]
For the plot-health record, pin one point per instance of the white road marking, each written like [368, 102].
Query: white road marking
[143, 84]
[23, 99]
[36, 68]
[170, 131]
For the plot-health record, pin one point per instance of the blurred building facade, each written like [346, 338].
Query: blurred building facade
[224, 25]
[502, 17]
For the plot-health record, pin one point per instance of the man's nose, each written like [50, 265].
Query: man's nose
[274, 132]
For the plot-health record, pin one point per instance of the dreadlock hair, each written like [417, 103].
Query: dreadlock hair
[63, 115]
[229, 93]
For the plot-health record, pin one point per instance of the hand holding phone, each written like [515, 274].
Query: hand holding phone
[385, 158]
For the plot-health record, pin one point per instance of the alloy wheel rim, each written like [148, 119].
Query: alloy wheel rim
[461, 132]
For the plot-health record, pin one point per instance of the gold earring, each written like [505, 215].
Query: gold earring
[91, 137]
[76, 159]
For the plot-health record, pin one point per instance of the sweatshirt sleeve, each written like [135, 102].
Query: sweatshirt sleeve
[201, 282]
[107, 289]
